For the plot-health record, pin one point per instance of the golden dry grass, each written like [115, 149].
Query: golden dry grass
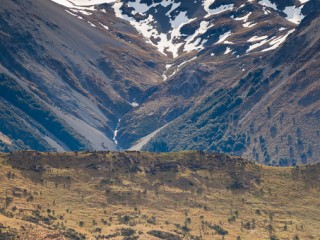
[190, 195]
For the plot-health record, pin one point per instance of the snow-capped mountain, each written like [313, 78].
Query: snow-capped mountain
[177, 27]
[103, 74]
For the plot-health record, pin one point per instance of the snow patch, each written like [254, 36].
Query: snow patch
[228, 50]
[277, 42]
[115, 133]
[179, 20]
[248, 24]
[265, 11]
[196, 44]
[228, 42]
[215, 11]
[223, 37]
[72, 3]
[71, 13]
[168, 66]
[91, 24]
[134, 104]
[294, 14]
[165, 3]
[84, 12]
[256, 45]
[165, 43]
[256, 38]
[104, 26]
[269, 4]
[244, 18]
[181, 64]
[273, 42]
[164, 75]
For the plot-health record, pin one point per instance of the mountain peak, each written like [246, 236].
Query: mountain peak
[177, 27]
[228, 76]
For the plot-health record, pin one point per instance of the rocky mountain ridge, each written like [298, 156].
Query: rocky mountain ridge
[172, 75]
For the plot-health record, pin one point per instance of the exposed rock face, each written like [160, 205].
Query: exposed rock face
[85, 77]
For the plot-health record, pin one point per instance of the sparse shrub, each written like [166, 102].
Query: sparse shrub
[247, 225]
[152, 220]
[310, 151]
[30, 198]
[97, 230]
[238, 146]
[219, 230]
[283, 162]
[232, 219]
[236, 184]
[104, 222]
[273, 131]
[10, 175]
[300, 145]
[8, 201]
[163, 235]
[127, 232]
[124, 219]
[270, 228]
[304, 158]
[185, 229]
[236, 213]
[72, 234]
[269, 112]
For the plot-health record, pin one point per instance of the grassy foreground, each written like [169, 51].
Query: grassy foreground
[139, 195]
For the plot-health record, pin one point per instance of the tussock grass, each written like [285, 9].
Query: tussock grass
[183, 195]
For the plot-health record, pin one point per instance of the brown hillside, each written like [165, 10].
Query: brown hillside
[138, 195]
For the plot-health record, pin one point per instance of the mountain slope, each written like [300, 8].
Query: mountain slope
[175, 27]
[269, 115]
[190, 195]
[85, 77]
[235, 39]
[226, 76]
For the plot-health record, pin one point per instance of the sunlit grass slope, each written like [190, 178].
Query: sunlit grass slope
[139, 195]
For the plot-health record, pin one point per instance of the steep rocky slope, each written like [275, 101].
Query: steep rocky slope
[215, 44]
[84, 77]
[270, 114]
[228, 76]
